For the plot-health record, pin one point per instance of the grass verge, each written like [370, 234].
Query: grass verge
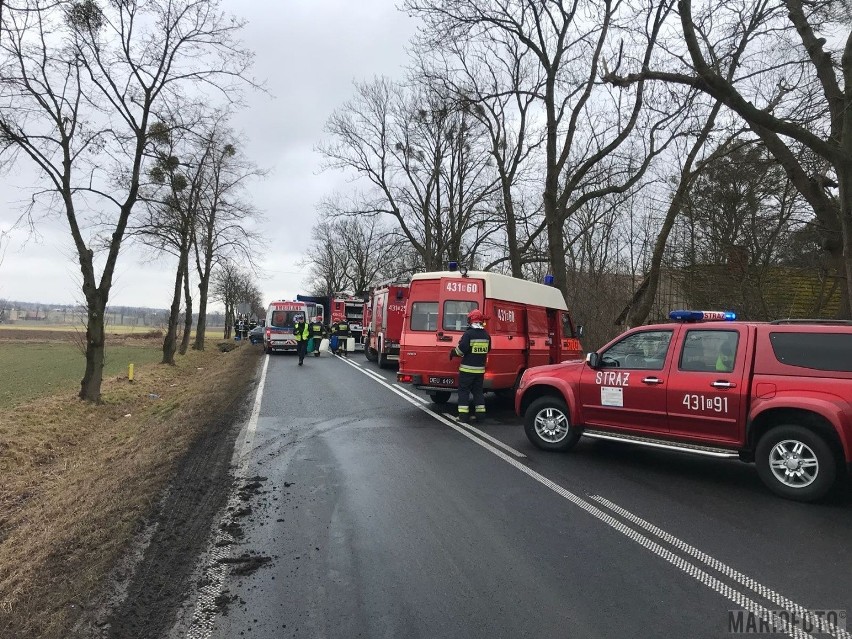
[78, 480]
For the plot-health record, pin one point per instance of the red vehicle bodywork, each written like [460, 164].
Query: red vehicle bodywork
[673, 400]
[529, 325]
[384, 314]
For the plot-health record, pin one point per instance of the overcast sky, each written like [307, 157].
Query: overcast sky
[308, 52]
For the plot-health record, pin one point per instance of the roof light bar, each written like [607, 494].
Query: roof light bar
[702, 316]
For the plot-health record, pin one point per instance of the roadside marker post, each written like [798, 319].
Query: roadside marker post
[130, 372]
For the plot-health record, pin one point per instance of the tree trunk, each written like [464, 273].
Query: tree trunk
[187, 324]
[844, 179]
[170, 341]
[555, 237]
[511, 227]
[90, 386]
[201, 325]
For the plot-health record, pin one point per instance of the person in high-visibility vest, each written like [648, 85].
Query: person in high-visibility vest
[301, 333]
[473, 349]
[317, 330]
[341, 329]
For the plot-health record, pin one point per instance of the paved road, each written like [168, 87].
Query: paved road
[383, 518]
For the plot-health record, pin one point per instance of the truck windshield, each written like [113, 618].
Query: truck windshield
[284, 319]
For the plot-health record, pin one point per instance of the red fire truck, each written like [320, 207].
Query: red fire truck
[384, 313]
[529, 325]
[278, 335]
[340, 306]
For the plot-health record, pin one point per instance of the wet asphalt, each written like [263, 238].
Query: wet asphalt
[383, 520]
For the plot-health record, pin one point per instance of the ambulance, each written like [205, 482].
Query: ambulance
[280, 315]
[384, 314]
[529, 324]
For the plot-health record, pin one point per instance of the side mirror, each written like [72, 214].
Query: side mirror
[581, 330]
[593, 360]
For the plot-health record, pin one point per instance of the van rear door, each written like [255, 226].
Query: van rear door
[457, 297]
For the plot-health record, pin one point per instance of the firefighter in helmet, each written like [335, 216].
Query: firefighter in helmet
[317, 331]
[473, 349]
[301, 335]
[341, 329]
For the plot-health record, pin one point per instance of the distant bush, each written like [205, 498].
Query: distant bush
[147, 334]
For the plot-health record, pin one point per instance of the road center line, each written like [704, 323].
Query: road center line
[818, 623]
[675, 560]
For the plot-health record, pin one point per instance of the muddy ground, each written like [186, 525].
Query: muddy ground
[147, 589]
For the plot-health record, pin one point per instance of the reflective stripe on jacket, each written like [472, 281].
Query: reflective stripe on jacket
[473, 349]
[316, 329]
[300, 331]
[341, 329]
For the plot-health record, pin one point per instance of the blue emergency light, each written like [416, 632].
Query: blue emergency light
[702, 316]
[548, 280]
[453, 266]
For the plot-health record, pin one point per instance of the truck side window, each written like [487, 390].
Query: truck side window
[640, 351]
[567, 329]
[455, 314]
[709, 351]
[424, 316]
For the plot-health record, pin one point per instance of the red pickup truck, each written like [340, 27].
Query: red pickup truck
[778, 394]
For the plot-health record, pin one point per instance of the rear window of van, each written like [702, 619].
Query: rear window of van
[819, 351]
[424, 316]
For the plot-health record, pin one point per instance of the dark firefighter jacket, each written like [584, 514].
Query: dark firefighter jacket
[341, 329]
[316, 329]
[473, 349]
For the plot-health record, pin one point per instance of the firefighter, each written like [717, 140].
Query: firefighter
[341, 329]
[473, 349]
[301, 333]
[317, 331]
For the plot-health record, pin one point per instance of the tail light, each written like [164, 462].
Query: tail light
[404, 378]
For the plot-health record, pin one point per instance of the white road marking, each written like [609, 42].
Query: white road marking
[675, 560]
[449, 421]
[422, 400]
[815, 621]
[204, 613]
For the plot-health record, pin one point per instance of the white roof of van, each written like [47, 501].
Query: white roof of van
[504, 287]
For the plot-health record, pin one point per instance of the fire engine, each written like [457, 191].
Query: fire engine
[778, 394]
[278, 335]
[342, 306]
[529, 324]
[384, 313]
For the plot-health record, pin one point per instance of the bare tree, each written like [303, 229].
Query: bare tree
[424, 164]
[497, 83]
[233, 286]
[795, 96]
[585, 126]
[222, 232]
[80, 86]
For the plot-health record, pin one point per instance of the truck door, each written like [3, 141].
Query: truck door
[706, 384]
[457, 296]
[628, 390]
[419, 345]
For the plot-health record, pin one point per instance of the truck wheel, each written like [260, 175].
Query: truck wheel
[382, 357]
[371, 354]
[548, 424]
[440, 397]
[796, 463]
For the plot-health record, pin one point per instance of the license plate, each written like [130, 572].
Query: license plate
[442, 381]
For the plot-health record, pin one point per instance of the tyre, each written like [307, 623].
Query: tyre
[382, 357]
[268, 350]
[795, 462]
[547, 423]
[371, 354]
[440, 397]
